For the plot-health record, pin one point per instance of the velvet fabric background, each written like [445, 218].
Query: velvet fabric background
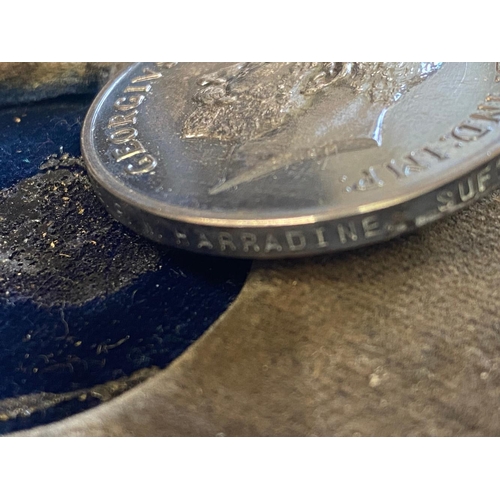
[83, 301]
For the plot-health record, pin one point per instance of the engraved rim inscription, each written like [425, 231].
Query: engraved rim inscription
[464, 179]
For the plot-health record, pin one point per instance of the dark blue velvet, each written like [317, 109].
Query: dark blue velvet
[45, 128]
[63, 348]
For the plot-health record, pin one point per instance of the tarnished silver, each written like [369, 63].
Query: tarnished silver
[267, 160]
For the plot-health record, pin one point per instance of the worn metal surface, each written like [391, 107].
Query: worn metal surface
[267, 160]
[398, 339]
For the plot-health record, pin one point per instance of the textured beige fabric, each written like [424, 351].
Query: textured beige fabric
[24, 82]
[399, 339]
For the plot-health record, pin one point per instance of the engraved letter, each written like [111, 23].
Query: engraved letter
[133, 148]
[123, 135]
[489, 111]
[143, 88]
[468, 132]
[445, 198]
[225, 240]
[181, 238]
[347, 232]
[371, 226]
[145, 165]
[148, 229]
[249, 240]
[469, 194]
[272, 244]
[296, 240]
[483, 177]
[119, 120]
[204, 242]
[405, 169]
[427, 157]
[149, 74]
[437, 152]
[320, 234]
[368, 180]
[129, 102]
[118, 209]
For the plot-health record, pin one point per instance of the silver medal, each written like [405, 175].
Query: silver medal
[267, 160]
